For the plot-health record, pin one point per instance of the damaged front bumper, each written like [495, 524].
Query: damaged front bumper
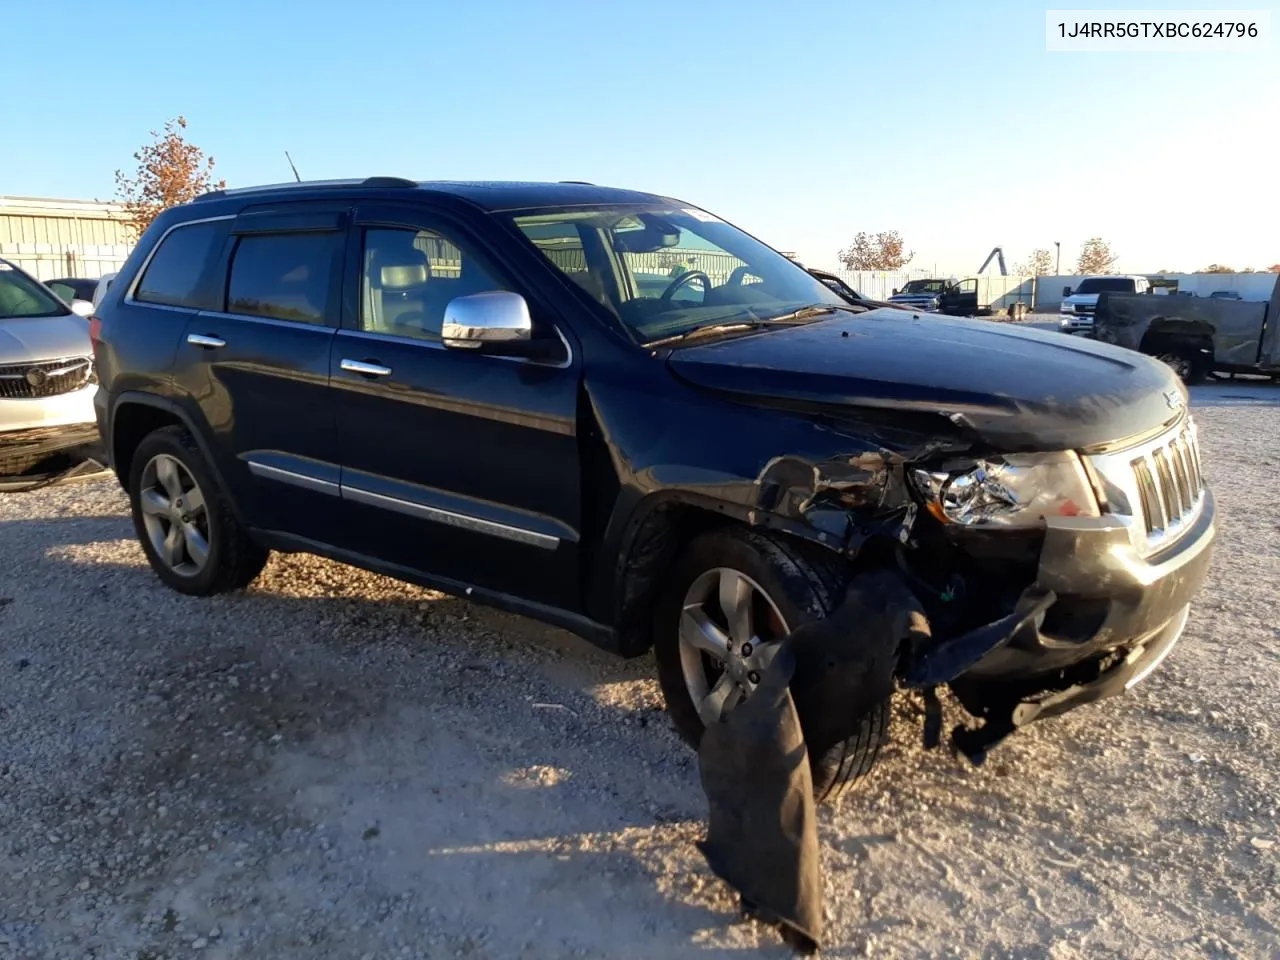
[1097, 620]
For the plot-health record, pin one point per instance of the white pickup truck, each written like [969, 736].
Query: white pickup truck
[1075, 315]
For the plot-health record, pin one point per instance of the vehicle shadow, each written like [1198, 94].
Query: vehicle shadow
[473, 757]
[1240, 393]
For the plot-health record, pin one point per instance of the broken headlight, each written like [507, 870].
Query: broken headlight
[1020, 490]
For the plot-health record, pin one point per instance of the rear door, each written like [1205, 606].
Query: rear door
[455, 464]
[258, 365]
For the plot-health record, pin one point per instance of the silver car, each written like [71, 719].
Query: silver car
[47, 377]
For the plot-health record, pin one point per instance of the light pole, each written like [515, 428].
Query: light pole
[1057, 266]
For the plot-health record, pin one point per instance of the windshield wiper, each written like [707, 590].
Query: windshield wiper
[803, 315]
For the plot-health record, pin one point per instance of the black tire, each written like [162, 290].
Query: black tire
[804, 589]
[234, 560]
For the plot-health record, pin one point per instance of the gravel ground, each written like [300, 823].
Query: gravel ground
[337, 765]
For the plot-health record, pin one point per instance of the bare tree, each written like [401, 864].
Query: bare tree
[1095, 257]
[1217, 268]
[881, 251]
[170, 171]
[1039, 264]
[1274, 268]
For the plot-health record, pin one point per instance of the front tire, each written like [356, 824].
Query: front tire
[191, 538]
[736, 586]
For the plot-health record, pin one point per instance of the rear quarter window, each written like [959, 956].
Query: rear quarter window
[172, 276]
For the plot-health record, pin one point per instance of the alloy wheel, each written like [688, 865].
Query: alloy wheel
[175, 515]
[730, 630]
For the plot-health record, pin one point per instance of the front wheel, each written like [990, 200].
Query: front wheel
[733, 596]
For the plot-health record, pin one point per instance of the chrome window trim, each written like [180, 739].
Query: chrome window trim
[130, 297]
[461, 520]
[315, 484]
[269, 321]
[439, 345]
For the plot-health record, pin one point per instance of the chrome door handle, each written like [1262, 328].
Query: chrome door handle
[201, 340]
[365, 368]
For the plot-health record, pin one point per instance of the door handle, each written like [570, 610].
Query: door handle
[364, 368]
[203, 340]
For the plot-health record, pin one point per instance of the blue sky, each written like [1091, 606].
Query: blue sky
[801, 122]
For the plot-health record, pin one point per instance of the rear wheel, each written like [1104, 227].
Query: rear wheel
[731, 599]
[192, 539]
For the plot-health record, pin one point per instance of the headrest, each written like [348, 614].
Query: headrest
[400, 276]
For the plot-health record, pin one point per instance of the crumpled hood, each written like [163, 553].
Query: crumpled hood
[1011, 389]
[28, 339]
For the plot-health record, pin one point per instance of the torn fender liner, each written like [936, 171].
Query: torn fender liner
[846, 663]
[762, 836]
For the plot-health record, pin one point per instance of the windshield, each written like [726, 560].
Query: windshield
[925, 286]
[20, 296]
[1105, 285]
[665, 270]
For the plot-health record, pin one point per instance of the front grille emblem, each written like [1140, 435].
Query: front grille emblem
[37, 378]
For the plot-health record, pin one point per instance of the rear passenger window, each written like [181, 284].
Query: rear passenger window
[172, 278]
[286, 276]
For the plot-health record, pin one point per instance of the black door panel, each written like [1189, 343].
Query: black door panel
[454, 463]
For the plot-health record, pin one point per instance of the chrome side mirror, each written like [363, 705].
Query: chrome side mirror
[494, 321]
[82, 308]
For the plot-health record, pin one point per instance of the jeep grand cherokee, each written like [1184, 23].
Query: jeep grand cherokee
[618, 413]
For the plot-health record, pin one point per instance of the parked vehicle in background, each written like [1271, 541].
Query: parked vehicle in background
[463, 385]
[1225, 295]
[955, 298]
[76, 292]
[1075, 314]
[47, 377]
[104, 283]
[834, 282]
[923, 295]
[1196, 335]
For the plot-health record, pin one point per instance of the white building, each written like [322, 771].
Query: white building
[63, 238]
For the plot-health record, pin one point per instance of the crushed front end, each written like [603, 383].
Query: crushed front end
[1030, 622]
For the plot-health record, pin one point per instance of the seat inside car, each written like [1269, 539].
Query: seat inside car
[399, 280]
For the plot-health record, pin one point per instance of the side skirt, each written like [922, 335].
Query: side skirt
[599, 634]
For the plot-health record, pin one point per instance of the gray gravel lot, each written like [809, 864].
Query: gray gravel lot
[337, 765]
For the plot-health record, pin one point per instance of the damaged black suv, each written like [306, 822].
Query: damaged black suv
[615, 412]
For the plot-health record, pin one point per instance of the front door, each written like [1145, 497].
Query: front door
[961, 300]
[258, 366]
[455, 464]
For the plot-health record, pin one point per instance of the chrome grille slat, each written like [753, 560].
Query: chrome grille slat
[1159, 484]
[52, 378]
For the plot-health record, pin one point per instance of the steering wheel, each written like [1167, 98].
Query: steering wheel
[680, 281]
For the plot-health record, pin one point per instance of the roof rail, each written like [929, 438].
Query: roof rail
[585, 183]
[396, 182]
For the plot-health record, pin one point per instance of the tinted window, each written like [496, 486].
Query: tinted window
[63, 289]
[173, 275]
[1101, 284]
[409, 277]
[286, 276]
